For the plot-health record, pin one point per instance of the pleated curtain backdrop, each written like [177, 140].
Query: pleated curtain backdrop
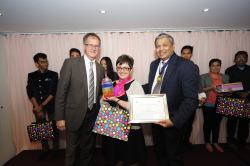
[20, 49]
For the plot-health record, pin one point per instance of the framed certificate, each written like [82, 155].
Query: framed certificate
[148, 108]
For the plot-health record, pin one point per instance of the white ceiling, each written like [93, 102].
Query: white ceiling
[43, 16]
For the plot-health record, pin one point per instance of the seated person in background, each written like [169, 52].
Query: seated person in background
[74, 53]
[133, 151]
[108, 66]
[212, 120]
[240, 72]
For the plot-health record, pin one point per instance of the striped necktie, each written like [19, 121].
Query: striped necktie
[91, 87]
[157, 87]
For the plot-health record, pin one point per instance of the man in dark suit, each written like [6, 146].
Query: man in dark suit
[41, 89]
[77, 102]
[179, 80]
[187, 53]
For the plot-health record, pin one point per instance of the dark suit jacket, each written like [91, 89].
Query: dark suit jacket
[71, 102]
[41, 85]
[180, 83]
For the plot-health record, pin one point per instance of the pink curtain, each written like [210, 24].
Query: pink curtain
[20, 49]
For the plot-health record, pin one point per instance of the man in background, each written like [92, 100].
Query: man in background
[41, 90]
[240, 72]
[187, 53]
[74, 53]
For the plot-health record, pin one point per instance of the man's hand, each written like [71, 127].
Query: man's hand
[40, 114]
[38, 108]
[38, 111]
[165, 123]
[60, 124]
[243, 94]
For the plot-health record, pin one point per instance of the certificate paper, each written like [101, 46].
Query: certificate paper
[148, 108]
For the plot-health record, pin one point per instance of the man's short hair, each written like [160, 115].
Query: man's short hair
[187, 47]
[74, 50]
[164, 35]
[91, 35]
[241, 53]
[39, 55]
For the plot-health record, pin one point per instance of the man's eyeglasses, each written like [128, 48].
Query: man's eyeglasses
[123, 69]
[92, 46]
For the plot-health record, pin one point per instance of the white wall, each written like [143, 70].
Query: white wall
[7, 149]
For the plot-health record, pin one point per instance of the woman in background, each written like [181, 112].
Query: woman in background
[108, 66]
[212, 120]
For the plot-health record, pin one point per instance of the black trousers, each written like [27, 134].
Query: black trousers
[80, 144]
[211, 124]
[168, 143]
[243, 128]
[131, 152]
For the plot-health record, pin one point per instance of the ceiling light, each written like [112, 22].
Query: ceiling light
[1, 14]
[102, 11]
[205, 10]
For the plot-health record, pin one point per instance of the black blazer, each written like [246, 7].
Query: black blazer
[180, 84]
[41, 85]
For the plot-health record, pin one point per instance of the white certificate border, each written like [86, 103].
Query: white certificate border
[131, 110]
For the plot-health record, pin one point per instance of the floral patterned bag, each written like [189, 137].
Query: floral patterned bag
[112, 122]
[233, 107]
[40, 131]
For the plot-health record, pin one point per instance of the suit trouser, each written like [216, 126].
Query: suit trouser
[168, 144]
[189, 128]
[80, 144]
[243, 128]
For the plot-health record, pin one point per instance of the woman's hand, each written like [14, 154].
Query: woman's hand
[115, 99]
[202, 100]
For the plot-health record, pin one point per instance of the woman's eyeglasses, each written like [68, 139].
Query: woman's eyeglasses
[123, 69]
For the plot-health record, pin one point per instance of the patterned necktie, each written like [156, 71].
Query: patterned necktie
[157, 88]
[91, 87]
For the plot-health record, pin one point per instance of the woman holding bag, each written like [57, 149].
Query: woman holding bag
[212, 120]
[132, 152]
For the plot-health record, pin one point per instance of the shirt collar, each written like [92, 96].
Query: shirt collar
[163, 62]
[87, 60]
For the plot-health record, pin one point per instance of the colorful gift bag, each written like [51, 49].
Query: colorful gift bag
[112, 122]
[232, 106]
[40, 131]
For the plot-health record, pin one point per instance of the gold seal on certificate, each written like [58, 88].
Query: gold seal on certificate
[148, 108]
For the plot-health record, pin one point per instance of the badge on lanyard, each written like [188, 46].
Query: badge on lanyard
[159, 78]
